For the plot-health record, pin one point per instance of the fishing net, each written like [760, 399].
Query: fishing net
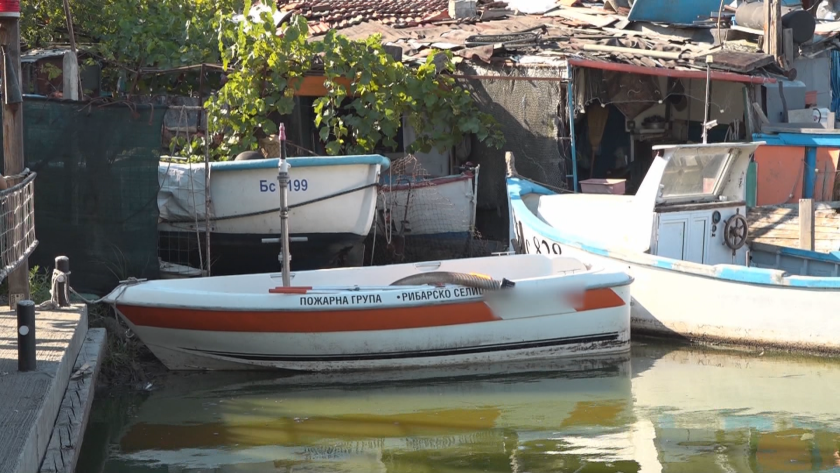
[96, 188]
[182, 200]
[422, 218]
[17, 224]
[532, 116]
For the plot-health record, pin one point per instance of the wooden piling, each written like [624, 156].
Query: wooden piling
[806, 224]
[13, 141]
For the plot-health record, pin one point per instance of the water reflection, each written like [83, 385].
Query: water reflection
[666, 409]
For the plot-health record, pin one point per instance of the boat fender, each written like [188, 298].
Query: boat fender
[478, 281]
[248, 156]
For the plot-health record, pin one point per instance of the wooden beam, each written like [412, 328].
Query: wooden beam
[761, 116]
[796, 128]
[633, 51]
[313, 86]
[806, 224]
[13, 145]
[773, 35]
[788, 47]
[70, 76]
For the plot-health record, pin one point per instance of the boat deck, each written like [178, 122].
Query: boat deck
[779, 225]
[30, 401]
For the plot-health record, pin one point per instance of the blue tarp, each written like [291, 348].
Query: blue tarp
[683, 12]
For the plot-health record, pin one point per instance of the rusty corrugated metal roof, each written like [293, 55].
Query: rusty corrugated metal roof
[596, 32]
[339, 14]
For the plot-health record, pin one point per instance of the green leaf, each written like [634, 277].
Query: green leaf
[292, 34]
[333, 148]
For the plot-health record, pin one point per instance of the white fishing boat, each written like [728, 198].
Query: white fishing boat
[409, 315]
[331, 199]
[439, 313]
[683, 237]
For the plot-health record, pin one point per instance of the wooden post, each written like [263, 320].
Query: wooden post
[773, 35]
[13, 144]
[788, 47]
[70, 75]
[806, 224]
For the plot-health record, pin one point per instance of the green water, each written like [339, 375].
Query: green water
[661, 409]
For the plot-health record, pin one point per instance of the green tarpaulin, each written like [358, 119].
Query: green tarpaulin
[96, 190]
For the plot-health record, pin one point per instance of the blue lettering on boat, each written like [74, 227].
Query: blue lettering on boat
[438, 294]
[295, 185]
[366, 299]
[324, 300]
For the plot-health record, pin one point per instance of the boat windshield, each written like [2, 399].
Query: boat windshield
[694, 176]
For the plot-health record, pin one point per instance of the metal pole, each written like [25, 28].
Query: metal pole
[26, 335]
[474, 200]
[706, 103]
[202, 116]
[810, 177]
[62, 263]
[283, 181]
[571, 107]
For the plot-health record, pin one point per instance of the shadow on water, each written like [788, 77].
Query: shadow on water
[668, 408]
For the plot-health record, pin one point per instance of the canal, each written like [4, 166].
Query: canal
[664, 408]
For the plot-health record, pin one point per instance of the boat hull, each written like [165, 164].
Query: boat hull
[332, 202]
[576, 315]
[411, 348]
[233, 253]
[678, 304]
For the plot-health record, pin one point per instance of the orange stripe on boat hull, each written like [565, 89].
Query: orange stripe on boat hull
[310, 321]
[317, 321]
[603, 298]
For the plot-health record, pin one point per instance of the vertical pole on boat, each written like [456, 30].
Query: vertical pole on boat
[283, 182]
[203, 115]
[571, 106]
[707, 100]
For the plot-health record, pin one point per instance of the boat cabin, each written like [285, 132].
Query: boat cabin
[692, 197]
[698, 197]
[691, 206]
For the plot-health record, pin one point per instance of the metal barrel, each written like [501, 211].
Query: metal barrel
[751, 15]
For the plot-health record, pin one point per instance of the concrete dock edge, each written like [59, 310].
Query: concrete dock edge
[69, 430]
[39, 406]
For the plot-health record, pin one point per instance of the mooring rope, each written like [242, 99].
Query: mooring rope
[59, 277]
[300, 204]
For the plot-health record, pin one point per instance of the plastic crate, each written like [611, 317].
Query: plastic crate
[603, 186]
